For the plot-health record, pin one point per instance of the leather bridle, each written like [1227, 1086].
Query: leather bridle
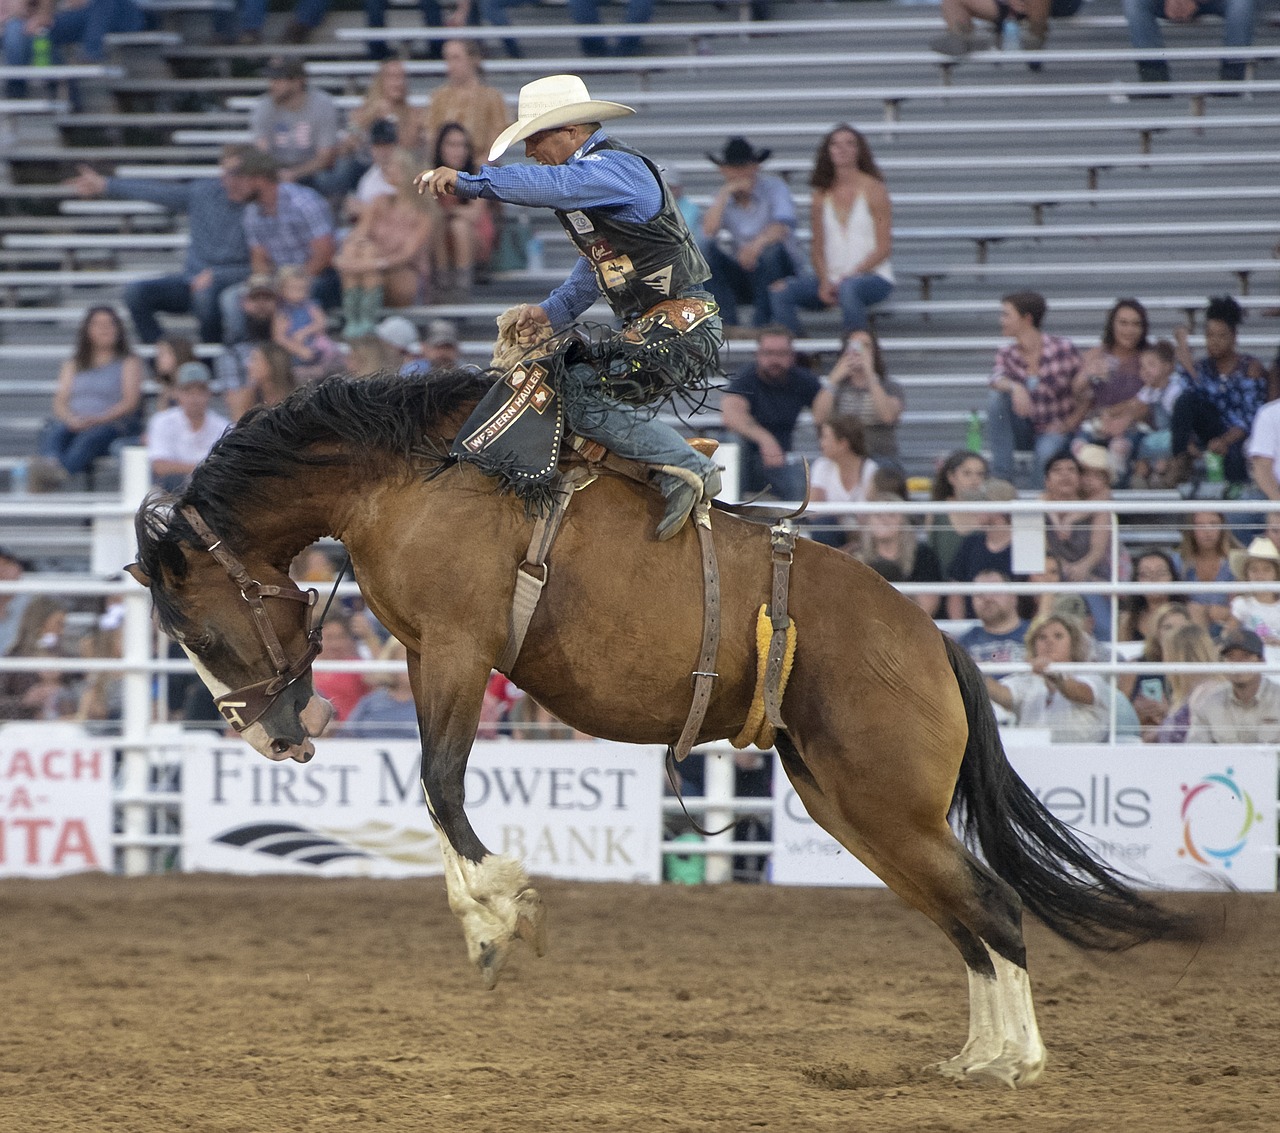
[243, 707]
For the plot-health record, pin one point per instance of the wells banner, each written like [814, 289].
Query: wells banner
[584, 810]
[1174, 816]
[55, 800]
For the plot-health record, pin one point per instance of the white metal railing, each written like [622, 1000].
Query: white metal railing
[139, 662]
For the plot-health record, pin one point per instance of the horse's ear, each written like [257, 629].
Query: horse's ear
[135, 572]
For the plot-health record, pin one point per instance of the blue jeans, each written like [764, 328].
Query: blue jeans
[1007, 431]
[1143, 18]
[785, 482]
[172, 294]
[730, 282]
[624, 429]
[588, 12]
[87, 26]
[251, 15]
[76, 452]
[854, 295]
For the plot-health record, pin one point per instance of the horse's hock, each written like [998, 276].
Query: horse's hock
[219, 1004]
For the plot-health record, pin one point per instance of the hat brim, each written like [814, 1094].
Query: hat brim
[756, 159]
[1239, 562]
[573, 114]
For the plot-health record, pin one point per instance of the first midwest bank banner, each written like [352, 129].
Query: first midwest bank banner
[587, 811]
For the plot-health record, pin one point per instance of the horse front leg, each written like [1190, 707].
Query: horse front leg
[489, 893]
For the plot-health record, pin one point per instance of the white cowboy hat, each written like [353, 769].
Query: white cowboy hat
[557, 100]
[1261, 548]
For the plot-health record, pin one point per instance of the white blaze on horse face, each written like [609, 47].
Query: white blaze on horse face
[255, 735]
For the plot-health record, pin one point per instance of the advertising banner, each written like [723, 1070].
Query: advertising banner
[582, 810]
[55, 801]
[1174, 816]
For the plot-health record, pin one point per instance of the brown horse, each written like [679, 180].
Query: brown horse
[888, 726]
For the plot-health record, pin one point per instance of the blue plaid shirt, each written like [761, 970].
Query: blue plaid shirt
[302, 215]
[609, 179]
[1237, 396]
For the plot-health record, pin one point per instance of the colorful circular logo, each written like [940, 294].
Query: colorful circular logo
[1217, 815]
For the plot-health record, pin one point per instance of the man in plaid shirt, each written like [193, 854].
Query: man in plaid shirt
[1032, 405]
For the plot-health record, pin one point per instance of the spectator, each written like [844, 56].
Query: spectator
[761, 405]
[388, 711]
[387, 101]
[500, 698]
[1186, 644]
[1258, 611]
[1224, 393]
[851, 224]
[171, 352]
[379, 180]
[385, 261]
[1142, 17]
[400, 336]
[858, 387]
[588, 12]
[1154, 569]
[1080, 541]
[101, 696]
[1162, 385]
[217, 253]
[1263, 450]
[342, 689]
[689, 208]
[180, 438]
[749, 231]
[1205, 549]
[988, 547]
[843, 473]
[301, 328]
[370, 354]
[12, 606]
[1096, 476]
[465, 97]
[1000, 635]
[38, 694]
[256, 313]
[1076, 708]
[1244, 710]
[1032, 403]
[82, 26]
[1109, 381]
[441, 350]
[1032, 605]
[962, 471]
[98, 401]
[465, 237]
[1032, 17]
[270, 374]
[1149, 692]
[285, 225]
[298, 127]
[890, 536]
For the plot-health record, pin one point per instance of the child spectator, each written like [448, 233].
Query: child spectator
[1258, 611]
[300, 327]
[1162, 385]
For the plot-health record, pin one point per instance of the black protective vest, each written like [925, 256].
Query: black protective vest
[637, 265]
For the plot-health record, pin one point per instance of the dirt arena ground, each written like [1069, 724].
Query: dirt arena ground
[223, 1005]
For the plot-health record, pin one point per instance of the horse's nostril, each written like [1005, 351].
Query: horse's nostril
[279, 746]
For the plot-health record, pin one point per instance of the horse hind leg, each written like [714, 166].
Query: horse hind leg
[981, 915]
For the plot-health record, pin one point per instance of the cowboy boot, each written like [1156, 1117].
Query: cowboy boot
[372, 307]
[682, 496]
[353, 312]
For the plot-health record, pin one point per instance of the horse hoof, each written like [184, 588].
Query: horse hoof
[491, 960]
[1005, 1068]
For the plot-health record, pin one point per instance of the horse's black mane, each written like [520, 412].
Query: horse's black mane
[374, 420]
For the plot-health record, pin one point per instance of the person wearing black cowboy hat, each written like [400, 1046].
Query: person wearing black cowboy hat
[637, 252]
[749, 232]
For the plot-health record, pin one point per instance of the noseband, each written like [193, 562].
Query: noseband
[245, 706]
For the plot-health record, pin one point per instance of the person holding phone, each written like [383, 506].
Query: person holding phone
[858, 387]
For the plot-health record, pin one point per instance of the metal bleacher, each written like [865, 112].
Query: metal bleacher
[1003, 178]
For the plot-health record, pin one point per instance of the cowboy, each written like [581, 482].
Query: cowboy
[637, 251]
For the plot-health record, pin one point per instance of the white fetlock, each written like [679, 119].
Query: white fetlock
[1004, 1040]
[497, 906]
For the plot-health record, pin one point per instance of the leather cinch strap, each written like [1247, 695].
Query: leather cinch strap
[782, 540]
[704, 676]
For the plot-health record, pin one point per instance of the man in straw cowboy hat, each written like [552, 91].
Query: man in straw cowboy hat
[635, 250]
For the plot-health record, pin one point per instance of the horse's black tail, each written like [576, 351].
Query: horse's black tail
[1053, 871]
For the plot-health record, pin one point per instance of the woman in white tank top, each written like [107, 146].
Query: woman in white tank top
[851, 220]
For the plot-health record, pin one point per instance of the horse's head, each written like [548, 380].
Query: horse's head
[246, 628]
